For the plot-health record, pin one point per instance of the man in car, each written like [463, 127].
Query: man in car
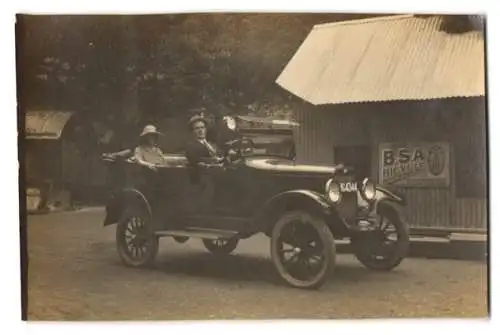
[200, 152]
[202, 157]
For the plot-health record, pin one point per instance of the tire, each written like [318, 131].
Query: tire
[136, 222]
[221, 247]
[364, 246]
[309, 240]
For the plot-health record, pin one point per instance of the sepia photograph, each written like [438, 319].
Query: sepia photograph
[251, 166]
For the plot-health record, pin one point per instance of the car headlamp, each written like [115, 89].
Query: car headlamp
[368, 189]
[230, 122]
[332, 190]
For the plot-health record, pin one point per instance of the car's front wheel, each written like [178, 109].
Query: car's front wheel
[137, 246]
[302, 249]
[385, 248]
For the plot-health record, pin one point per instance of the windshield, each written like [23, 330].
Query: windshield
[285, 149]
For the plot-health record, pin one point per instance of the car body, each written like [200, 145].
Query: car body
[302, 208]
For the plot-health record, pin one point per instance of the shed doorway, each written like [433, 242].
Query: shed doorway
[358, 157]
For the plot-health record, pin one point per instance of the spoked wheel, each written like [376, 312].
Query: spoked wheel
[385, 248]
[303, 250]
[221, 246]
[137, 246]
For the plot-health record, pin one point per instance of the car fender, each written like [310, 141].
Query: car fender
[123, 199]
[383, 194]
[295, 199]
[385, 198]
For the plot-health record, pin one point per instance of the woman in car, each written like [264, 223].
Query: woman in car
[148, 153]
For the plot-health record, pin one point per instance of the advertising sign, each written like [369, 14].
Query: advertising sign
[425, 164]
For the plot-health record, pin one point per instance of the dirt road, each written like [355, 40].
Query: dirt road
[75, 274]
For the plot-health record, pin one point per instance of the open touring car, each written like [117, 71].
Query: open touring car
[303, 209]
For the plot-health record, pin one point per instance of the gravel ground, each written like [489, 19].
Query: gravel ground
[75, 274]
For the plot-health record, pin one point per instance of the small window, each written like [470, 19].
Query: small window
[470, 170]
[470, 148]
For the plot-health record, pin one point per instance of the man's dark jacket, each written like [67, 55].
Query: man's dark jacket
[196, 153]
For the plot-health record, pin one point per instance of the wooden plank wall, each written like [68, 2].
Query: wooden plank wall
[322, 129]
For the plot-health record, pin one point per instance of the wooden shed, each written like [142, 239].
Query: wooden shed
[404, 102]
[61, 165]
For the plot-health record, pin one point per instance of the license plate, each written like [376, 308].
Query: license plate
[348, 186]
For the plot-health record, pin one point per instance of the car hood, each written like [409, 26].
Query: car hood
[288, 166]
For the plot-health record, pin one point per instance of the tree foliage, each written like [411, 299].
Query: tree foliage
[123, 71]
[152, 66]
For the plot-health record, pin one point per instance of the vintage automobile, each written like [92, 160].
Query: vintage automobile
[259, 188]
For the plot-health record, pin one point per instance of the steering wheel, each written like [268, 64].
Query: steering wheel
[238, 146]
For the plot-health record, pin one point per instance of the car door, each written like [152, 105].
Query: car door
[230, 190]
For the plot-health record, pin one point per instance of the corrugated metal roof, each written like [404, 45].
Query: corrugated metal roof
[46, 124]
[389, 58]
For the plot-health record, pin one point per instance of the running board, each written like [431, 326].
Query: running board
[202, 233]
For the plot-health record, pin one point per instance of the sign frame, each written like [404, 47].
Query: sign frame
[419, 164]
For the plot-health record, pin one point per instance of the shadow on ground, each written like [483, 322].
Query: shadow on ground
[246, 268]
[456, 250]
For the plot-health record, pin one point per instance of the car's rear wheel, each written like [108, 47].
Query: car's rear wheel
[221, 246]
[302, 249]
[137, 245]
[385, 248]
